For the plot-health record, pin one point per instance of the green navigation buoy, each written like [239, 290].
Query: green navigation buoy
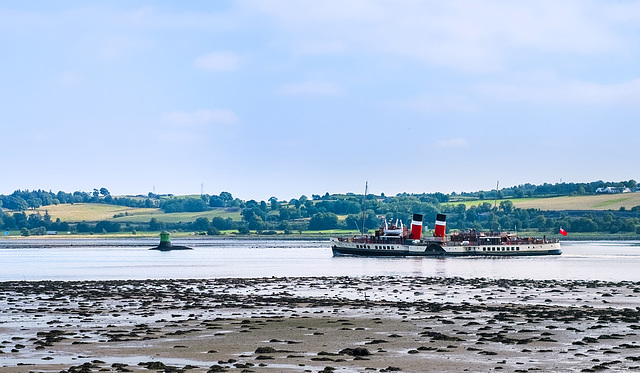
[166, 245]
[165, 238]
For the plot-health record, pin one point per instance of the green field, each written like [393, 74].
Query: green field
[89, 211]
[93, 212]
[593, 202]
[179, 216]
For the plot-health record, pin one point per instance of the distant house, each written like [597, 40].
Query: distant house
[612, 190]
[52, 233]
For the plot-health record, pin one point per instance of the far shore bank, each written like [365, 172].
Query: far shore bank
[195, 240]
[324, 235]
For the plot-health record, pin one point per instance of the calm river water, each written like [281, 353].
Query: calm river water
[68, 259]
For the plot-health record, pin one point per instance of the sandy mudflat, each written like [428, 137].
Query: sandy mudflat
[341, 324]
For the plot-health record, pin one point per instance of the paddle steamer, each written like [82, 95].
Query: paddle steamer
[398, 240]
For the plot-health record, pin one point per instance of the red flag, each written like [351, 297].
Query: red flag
[563, 232]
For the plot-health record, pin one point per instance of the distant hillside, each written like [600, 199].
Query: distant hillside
[543, 208]
[93, 212]
[595, 202]
[599, 202]
[90, 211]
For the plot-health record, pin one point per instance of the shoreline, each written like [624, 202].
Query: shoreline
[351, 324]
[320, 236]
[115, 241]
[141, 241]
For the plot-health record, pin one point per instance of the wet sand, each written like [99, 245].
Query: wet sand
[320, 324]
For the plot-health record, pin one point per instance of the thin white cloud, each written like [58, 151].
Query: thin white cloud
[466, 35]
[68, 78]
[185, 128]
[436, 104]
[177, 137]
[41, 137]
[218, 61]
[455, 143]
[200, 118]
[311, 87]
[568, 92]
[117, 47]
[320, 47]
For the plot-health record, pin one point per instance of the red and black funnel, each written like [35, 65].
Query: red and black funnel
[416, 227]
[441, 225]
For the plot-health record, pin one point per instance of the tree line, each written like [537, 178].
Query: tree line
[338, 211]
[22, 200]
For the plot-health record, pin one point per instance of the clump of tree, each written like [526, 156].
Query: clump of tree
[183, 205]
[22, 200]
[548, 190]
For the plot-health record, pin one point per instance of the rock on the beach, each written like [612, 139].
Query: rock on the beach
[358, 351]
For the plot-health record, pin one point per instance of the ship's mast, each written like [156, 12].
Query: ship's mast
[364, 204]
[495, 203]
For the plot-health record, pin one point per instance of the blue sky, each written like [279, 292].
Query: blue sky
[282, 98]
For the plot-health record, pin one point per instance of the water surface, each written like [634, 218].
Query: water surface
[96, 259]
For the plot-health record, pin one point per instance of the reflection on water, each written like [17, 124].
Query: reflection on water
[218, 258]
